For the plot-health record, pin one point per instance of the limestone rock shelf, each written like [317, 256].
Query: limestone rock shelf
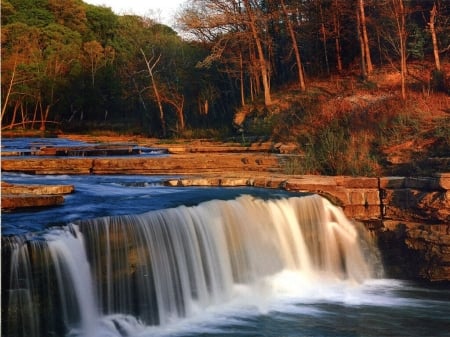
[409, 216]
[20, 201]
[18, 196]
[173, 164]
[77, 151]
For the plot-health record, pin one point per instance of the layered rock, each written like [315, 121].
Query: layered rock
[174, 164]
[16, 196]
[410, 216]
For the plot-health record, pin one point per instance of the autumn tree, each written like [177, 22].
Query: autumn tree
[397, 11]
[20, 71]
[292, 34]
[231, 23]
[362, 32]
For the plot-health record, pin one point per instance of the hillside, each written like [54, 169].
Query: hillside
[344, 126]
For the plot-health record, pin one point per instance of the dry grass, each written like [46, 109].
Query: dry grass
[371, 128]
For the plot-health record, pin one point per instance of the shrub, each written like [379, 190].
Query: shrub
[334, 150]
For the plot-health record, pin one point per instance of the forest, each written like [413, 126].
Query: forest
[72, 66]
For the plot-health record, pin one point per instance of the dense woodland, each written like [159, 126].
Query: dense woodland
[69, 65]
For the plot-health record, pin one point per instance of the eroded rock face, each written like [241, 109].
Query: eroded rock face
[17, 196]
[409, 216]
[415, 237]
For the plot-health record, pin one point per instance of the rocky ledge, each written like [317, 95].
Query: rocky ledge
[15, 196]
[409, 216]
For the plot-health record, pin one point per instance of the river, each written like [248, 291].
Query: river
[127, 256]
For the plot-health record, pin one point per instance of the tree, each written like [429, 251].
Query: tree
[301, 79]
[20, 54]
[97, 57]
[336, 10]
[399, 14]
[431, 25]
[102, 24]
[235, 29]
[364, 38]
[69, 13]
[151, 63]
[61, 52]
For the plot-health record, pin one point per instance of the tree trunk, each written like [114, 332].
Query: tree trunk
[400, 17]
[324, 39]
[361, 45]
[263, 67]
[337, 38]
[434, 38]
[150, 68]
[44, 117]
[365, 38]
[298, 60]
[180, 113]
[36, 106]
[13, 120]
[11, 83]
[241, 69]
[23, 115]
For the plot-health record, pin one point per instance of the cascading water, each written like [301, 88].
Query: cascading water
[119, 274]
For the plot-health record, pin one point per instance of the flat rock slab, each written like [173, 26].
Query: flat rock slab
[8, 189]
[18, 201]
[173, 164]
[17, 196]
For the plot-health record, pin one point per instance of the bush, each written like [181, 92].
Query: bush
[334, 150]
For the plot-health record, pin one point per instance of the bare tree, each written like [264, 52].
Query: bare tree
[235, 28]
[431, 24]
[151, 64]
[399, 12]
[337, 33]
[301, 79]
[263, 64]
[365, 38]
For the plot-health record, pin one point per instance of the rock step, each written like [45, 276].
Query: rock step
[173, 164]
[17, 196]
[17, 201]
[8, 188]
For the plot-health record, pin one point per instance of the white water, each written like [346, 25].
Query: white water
[165, 271]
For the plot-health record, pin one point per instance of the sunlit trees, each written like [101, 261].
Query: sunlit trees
[232, 24]
[287, 17]
[75, 63]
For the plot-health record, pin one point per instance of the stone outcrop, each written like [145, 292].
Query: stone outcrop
[409, 215]
[16, 196]
[173, 164]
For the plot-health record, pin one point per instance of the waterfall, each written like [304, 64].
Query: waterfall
[156, 268]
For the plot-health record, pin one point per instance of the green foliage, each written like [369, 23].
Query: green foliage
[334, 150]
[43, 46]
[417, 41]
[259, 126]
[442, 134]
[398, 128]
[102, 24]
